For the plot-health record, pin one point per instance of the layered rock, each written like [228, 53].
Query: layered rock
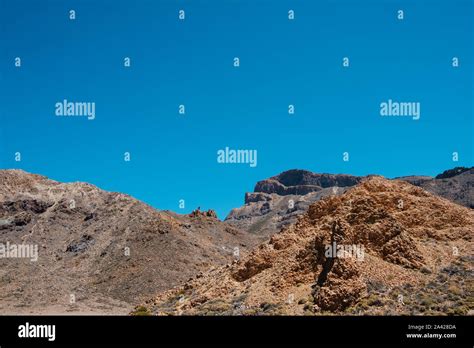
[279, 200]
[302, 182]
[414, 247]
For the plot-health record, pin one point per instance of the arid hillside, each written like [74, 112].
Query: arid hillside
[455, 184]
[398, 249]
[98, 251]
[278, 201]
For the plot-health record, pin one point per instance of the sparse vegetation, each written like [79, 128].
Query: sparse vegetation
[141, 311]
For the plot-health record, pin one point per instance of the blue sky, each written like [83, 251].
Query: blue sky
[190, 62]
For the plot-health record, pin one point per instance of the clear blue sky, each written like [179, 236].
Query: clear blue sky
[191, 62]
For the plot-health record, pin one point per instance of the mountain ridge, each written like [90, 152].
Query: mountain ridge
[415, 243]
[105, 249]
[83, 232]
[277, 201]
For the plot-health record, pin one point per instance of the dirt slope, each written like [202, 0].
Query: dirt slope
[99, 251]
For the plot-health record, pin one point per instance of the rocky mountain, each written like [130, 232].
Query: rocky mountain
[98, 251]
[103, 252]
[381, 247]
[455, 184]
[278, 201]
[301, 182]
[450, 173]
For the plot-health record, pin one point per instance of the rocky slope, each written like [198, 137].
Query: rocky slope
[99, 251]
[404, 251]
[455, 184]
[278, 201]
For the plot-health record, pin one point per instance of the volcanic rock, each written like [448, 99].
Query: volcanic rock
[407, 241]
[105, 250]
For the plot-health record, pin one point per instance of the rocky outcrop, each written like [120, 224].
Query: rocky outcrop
[381, 247]
[302, 182]
[455, 184]
[450, 173]
[206, 214]
[279, 200]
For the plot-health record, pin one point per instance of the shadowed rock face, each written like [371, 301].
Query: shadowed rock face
[420, 250]
[453, 172]
[455, 184]
[301, 182]
[105, 248]
[279, 200]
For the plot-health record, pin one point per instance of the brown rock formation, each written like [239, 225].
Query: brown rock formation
[408, 248]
